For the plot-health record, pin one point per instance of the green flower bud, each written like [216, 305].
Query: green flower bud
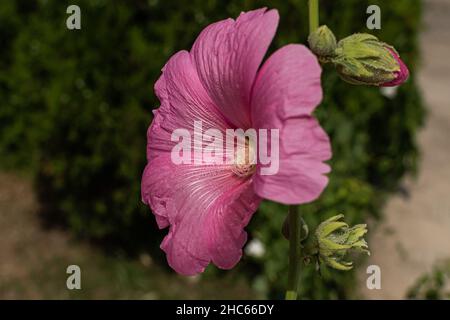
[364, 60]
[323, 43]
[334, 239]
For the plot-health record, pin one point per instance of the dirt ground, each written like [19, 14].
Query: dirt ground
[415, 233]
[33, 262]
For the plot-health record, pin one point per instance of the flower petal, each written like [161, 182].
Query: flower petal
[286, 91]
[400, 76]
[157, 196]
[227, 55]
[287, 85]
[207, 208]
[301, 175]
[227, 237]
[183, 101]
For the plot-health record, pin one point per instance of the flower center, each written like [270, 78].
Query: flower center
[245, 160]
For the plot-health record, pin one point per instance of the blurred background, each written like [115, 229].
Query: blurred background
[75, 107]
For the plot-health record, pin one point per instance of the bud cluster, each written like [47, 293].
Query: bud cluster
[360, 59]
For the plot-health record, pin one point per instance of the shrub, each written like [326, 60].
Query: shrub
[76, 106]
[433, 285]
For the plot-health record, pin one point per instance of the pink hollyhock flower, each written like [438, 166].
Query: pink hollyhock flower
[218, 82]
[400, 76]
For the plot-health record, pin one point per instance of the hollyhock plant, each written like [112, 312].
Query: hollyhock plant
[220, 84]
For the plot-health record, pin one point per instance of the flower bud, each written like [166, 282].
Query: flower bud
[362, 59]
[334, 239]
[323, 43]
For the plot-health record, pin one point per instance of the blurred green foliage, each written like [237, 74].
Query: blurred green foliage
[75, 106]
[434, 285]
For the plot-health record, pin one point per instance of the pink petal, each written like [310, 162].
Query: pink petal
[183, 101]
[402, 75]
[287, 85]
[286, 91]
[227, 55]
[301, 176]
[207, 208]
[156, 191]
[226, 236]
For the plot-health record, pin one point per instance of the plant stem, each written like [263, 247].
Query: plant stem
[313, 15]
[295, 226]
[294, 252]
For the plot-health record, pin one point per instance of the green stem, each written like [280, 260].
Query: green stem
[294, 252]
[313, 15]
[294, 213]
